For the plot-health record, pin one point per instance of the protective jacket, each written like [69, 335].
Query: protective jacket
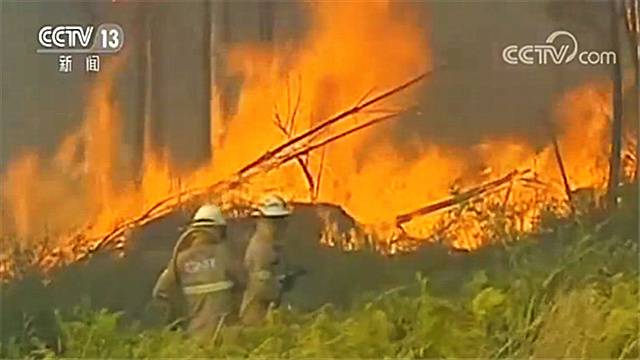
[202, 271]
[265, 271]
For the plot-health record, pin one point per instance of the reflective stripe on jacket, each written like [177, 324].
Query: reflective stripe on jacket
[207, 288]
[262, 275]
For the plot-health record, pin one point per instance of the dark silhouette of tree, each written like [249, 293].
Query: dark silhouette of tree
[207, 39]
[632, 17]
[616, 126]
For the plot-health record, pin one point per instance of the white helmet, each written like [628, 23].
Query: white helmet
[273, 206]
[208, 215]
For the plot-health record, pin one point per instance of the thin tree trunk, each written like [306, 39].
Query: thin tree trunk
[205, 129]
[225, 14]
[633, 26]
[149, 131]
[616, 127]
[222, 80]
[266, 16]
[141, 113]
[637, 36]
[156, 62]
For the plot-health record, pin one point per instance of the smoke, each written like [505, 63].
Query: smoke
[476, 97]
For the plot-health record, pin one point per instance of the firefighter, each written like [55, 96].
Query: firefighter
[201, 271]
[263, 261]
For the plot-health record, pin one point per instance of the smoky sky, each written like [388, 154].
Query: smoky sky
[474, 97]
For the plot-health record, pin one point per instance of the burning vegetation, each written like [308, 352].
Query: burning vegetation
[313, 125]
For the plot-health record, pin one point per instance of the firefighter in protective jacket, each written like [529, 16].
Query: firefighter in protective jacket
[201, 270]
[263, 261]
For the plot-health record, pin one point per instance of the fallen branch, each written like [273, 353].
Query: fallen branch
[563, 172]
[560, 162]
[462, 197]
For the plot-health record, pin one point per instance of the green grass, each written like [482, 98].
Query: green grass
[572, 292]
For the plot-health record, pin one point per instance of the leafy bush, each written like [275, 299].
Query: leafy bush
[572, 292]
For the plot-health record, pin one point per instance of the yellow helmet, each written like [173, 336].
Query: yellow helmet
[208, 215]
[273, 206]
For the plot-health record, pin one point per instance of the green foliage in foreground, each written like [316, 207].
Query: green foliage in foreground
[576, 298]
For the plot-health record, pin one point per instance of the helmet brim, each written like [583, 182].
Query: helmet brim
[271, 212]
[206, 222]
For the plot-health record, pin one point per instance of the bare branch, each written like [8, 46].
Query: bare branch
[288, 103]
[277, 121]
[273, 152]
[319, 177]
[563, 172]
[364, 97]
[307, 176]
[457, 199]
[560, 162]
[292, 118]
[305, 170]
[329, 140]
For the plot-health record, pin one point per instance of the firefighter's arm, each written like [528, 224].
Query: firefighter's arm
[270, 284]
[165, 286]
[264, 284]
[234, 268]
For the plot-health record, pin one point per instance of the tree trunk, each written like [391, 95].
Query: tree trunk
[222, 80]
[154, 102]
[142, 38]
[207, 39]
[151, 131]
[637, 44]
[633, 27]
[616, 126]
[266, 16]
